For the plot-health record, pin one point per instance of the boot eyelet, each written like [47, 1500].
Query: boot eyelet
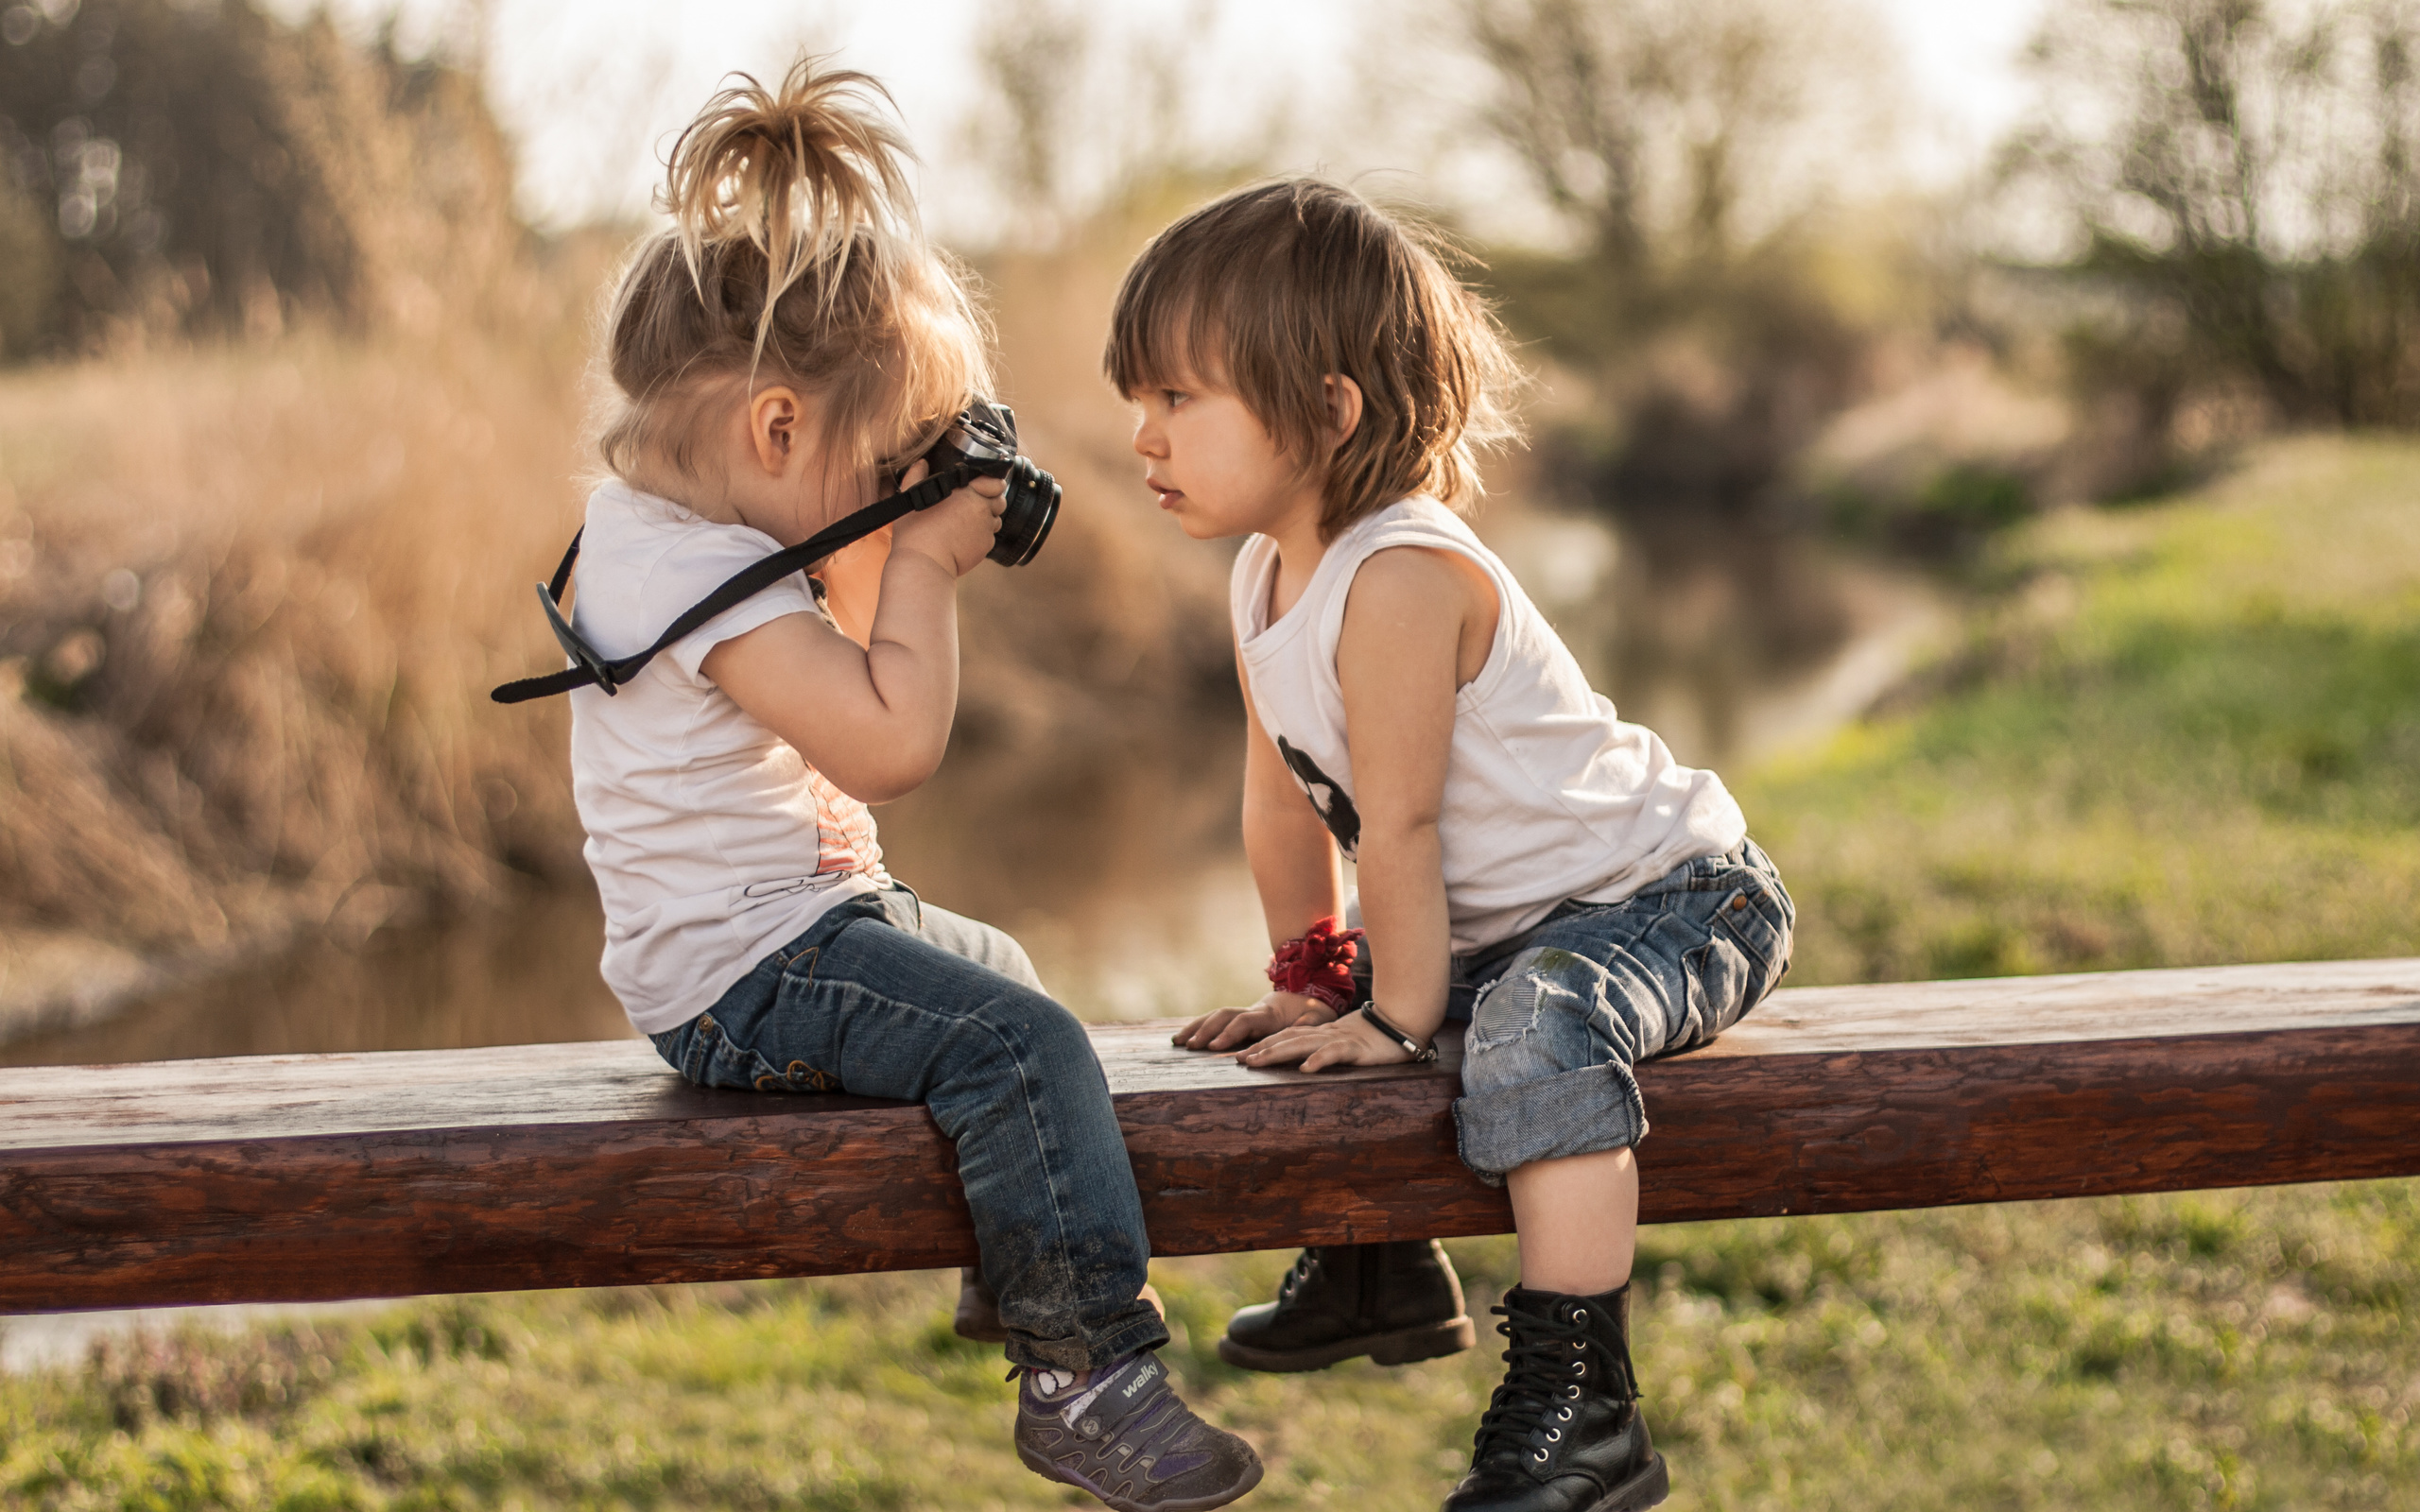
[1563, 1416]
[1580, 1314]
[1554, 1436]
[1540, 1456]
[1580, 1367]
[1571, 1392]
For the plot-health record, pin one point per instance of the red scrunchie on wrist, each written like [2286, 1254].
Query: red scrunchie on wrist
[1318, 965]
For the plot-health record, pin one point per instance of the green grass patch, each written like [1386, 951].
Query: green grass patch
[2184, 734]
[2206, 1350]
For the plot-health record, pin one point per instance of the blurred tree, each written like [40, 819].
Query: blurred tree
[1693, 150]
[2241, 173]
[199, 165]
[29, 267]
[1032, 53]
[1095, 117]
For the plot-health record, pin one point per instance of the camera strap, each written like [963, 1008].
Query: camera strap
[610, 673]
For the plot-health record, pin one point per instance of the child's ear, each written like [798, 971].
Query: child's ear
[1344, 407]
[776, 427]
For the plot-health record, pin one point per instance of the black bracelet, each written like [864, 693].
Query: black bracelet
[1418, 1052]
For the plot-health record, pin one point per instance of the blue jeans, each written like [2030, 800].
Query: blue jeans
[887, 997]
[1562, 1012]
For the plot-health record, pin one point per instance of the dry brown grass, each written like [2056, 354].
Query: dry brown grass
[254, 597]
[251, 599]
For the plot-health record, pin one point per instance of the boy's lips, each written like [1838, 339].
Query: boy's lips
[1167, 495]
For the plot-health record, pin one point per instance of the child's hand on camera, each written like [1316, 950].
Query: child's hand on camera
[957, 532]
[1348, 1042]
[1226, 1028]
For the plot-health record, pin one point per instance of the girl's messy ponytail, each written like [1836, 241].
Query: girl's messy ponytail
[795, 256]
[809, 178]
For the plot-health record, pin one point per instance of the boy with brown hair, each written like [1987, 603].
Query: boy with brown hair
[1311, 378]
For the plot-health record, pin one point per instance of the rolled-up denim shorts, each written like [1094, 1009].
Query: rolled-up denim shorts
[1561, 1013]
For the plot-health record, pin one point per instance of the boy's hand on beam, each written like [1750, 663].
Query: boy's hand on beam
[1348, 1041]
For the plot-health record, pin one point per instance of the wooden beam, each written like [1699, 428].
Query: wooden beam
[289, 1179]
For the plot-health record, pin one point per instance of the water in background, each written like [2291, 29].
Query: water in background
[1116, 863]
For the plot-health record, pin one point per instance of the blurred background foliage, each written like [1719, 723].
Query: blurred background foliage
[2239, 179]
[203, 169]
[286, 343]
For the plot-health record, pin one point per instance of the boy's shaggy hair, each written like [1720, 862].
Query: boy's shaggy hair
[1267, 290]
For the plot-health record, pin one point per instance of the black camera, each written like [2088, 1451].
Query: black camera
[984, 437]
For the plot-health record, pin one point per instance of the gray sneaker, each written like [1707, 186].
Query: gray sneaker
[1127, 1439]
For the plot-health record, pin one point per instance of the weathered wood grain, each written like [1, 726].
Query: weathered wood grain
[310, 1178]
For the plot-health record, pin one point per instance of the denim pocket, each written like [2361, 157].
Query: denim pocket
[1723, 984]
[1755, 920]
[712, 1058]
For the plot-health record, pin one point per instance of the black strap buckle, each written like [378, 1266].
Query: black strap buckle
[582, 654]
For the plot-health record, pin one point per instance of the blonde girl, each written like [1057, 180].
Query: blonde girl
[775, 354]
[1310, 378]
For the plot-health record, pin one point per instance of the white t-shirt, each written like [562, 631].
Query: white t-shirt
[1548, 796]
[713, 841]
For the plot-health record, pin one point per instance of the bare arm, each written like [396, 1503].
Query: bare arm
[852, 584]
[1406, 648]
[1298, 874]
[1294, 862]
[875, 719]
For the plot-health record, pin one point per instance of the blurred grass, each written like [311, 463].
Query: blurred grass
[2185, 732]
[2228, 1351]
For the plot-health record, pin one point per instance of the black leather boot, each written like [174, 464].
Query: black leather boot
[1562, 1433]
[1396, 1303]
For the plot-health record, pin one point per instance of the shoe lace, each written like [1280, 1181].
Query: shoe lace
[1300, 1276]
[1546, 1365]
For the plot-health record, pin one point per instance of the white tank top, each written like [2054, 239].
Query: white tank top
[1548, 796]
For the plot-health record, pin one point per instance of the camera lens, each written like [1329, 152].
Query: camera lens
[1031, 508]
